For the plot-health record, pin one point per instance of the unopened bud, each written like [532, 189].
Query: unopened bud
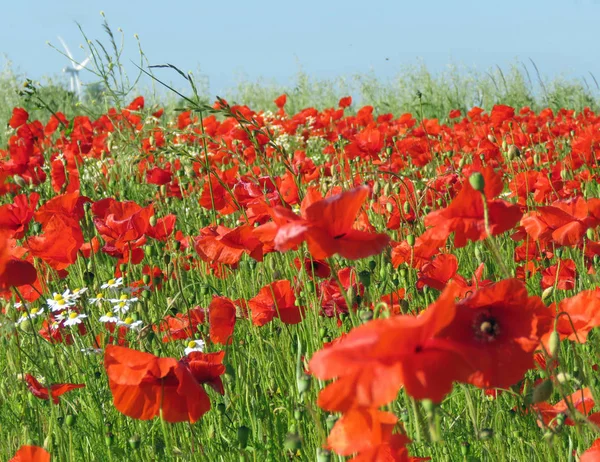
[477, 181]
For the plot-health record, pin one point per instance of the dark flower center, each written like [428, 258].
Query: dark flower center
[486, 327]
[339, 236]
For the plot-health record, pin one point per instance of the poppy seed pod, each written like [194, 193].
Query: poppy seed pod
[152, 220]
[243, 433]
[476, 181]
[410, 239]
[303, 383]
[134, 442]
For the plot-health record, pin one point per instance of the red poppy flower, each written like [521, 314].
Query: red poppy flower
[582, 315]
[276, 300]
[592, 454]
[376, 359]
[19, 117]
[145, 386]
[14, 272]
[345, 102]
[361, 429]
[15, 217]
[53, 392]
[158, 176]
[223, 245]
[60, 243]
[563, 222]
[221, 319]
[181, 326]
[31, 454]
[563, 276]
[465, 215]
[498, 329]
[327, 227]
[582, 400]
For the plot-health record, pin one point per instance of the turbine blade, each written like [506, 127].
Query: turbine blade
[78, 83]
[66, 48]
[82, 64]
[72, 84]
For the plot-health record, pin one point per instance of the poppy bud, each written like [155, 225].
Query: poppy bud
[146, 294]
[386, 189]
[389, 207]
[491, 138]
[123, 267]
[547, 292]
[148, 250]
[476, 181]
[303, 383]
[243, 434]
[410, 239]
[464, 448]
[323, 455]
[513, 152]
[590, 234]
[403, 273]
[146, 278]
[20, 181]
[365, 278]
[70, 420]
[322, 332]
[504, 145]
[542, 392]
[298, 413]
[134, 442]
[554, 344]
[376, 186]
[163, 190]
[177, 245]
[152, 220]
[292, 442]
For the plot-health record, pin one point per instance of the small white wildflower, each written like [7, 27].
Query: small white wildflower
[98, 299]
[33, 313]
[71, 318]
[112, 283]
[131, 324]
[109, 317]
[194, 345]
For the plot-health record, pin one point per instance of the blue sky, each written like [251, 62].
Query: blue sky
[229, 41]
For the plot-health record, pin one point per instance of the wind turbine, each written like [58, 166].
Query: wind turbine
[73, 70]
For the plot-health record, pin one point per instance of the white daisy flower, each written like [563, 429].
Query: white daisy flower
[130, 323]
[112, 283]
[121, 307]
[98, 299]
[71, 318]
[33, 313]
[195, 345]
[123, 298]
[58, 302]
[109, 317]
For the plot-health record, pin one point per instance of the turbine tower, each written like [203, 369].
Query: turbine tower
[73, 70]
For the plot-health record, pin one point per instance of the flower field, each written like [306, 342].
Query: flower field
[233, 283]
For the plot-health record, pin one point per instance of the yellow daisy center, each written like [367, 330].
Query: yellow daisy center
[73, 315]
[192, 344]
[129, 320]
